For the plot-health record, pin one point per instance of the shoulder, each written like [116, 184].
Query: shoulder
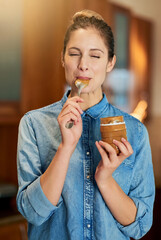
[135, 129]
[128, 118]
[43, 115]
[51, 110]
[135, 125]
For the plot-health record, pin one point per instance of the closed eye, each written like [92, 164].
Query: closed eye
[94, 56]
[74, 54]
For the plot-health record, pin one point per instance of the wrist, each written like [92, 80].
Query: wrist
[106, 183]
[66, 149]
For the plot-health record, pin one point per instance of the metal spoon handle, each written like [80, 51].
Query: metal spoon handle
[71, 123]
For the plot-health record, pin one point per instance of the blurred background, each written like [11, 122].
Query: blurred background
[31, 76]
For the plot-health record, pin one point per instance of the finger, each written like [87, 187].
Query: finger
[69, 104]
[102, 152]
[70, 109]
[76, 99]
[108, 148]
[128, 145]
[124, 147]
[67, 118]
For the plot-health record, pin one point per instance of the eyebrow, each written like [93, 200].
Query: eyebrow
[74, 48]
[97, 49]
[92, 49]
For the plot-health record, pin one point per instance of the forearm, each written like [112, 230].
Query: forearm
[52, 180]
[121, 206]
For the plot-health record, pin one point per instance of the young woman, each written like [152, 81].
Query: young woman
[71, 184]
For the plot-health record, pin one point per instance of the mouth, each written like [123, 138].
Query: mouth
[83, 82]
[83, 78]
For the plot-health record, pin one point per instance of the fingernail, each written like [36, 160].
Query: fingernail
[82, 99]
[123, 139]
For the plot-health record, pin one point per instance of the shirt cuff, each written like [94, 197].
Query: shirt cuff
[39, 201]
[138, 228]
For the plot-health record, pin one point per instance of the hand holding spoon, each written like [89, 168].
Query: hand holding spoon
[80, 84]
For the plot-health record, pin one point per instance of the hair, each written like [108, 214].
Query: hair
[90, 19]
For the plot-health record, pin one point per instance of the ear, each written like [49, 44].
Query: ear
[111, 64]
[62, 59]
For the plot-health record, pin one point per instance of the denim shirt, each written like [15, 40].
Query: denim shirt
[81, 213]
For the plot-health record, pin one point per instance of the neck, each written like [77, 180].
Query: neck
[90, 99]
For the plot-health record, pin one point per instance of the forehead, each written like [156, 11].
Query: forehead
[86, 38]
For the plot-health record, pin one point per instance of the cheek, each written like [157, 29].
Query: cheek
[100, 73]
[69, 72]
[68, 69]
[100, 70]
[69, 66]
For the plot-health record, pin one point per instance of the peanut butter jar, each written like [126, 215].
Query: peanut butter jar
[113, 128]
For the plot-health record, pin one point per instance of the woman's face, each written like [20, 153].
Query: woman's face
[86, 57]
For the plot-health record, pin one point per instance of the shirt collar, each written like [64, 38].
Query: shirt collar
[95, 111]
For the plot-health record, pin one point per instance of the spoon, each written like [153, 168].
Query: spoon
[80, 84]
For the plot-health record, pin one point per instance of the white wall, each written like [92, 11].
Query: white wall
[150, 9]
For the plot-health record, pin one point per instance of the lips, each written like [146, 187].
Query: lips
[83, 78]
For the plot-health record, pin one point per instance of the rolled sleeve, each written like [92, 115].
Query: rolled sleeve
[142, 223]
[142, 190]
[41, 205]
[31, 201]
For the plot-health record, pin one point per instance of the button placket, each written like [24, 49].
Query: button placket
[88, 185]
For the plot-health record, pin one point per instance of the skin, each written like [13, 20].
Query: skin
[86, 57]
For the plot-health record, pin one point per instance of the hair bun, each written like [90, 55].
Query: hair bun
[86, 14]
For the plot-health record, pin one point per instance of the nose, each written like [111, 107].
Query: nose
[83, 64]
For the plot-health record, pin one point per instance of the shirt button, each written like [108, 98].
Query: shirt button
[88, 176]
[88, 225]
[87, 153]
